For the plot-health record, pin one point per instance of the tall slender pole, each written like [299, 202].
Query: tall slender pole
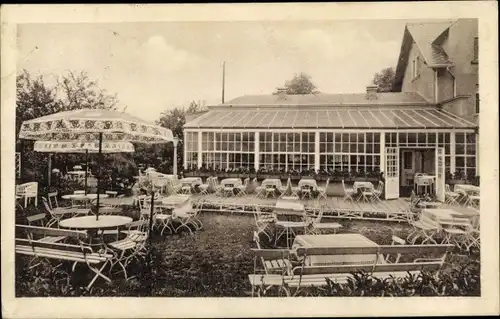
[86, 168]
[99, 160]
[223, 79]
[49, 175]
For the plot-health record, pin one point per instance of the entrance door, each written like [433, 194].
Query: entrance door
[391, 172]
[440, 174]
[408, 167]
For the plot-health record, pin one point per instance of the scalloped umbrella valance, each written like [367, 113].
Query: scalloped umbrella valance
[92, 125]
[83, 147]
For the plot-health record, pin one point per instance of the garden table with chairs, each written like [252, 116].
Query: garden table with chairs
[335, 240]
[361, 188]
[229, 184]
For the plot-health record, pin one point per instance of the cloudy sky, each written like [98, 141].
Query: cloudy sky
[156, 66]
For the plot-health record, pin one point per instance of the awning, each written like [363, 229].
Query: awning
[358, 118]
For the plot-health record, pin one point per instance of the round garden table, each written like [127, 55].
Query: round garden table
[92, 223]
[83, 196]
[96, 227]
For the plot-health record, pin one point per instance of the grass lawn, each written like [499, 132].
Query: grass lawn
[214, 261]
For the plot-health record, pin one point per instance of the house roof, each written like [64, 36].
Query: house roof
[368, 117]
[322, 99]
[424, 36]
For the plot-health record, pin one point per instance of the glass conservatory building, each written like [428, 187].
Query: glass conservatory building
[396, 133]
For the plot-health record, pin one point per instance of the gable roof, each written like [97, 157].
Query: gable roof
[323, 99]
[424, 35]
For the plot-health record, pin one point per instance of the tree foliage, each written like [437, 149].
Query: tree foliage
[161, 156]
[35, 98]
[384, 79]
[300, 84]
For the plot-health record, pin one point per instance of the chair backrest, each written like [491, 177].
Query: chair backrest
[79, 192]
[343, 186]
[271, 253]
[256, 239]
[380, 186]
[53, 200]
[46, 205]
[36, 218]
[447, 188]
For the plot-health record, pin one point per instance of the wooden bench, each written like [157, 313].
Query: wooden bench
[48, 249]
[304, 276]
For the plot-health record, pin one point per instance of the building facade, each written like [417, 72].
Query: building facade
[417, 128]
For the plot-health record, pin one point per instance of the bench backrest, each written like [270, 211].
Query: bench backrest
[418, 250]
[315, 251]
[34, 245]
[369, 268]
[382, 249]
[46, 231]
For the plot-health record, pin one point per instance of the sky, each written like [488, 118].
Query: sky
[156, 66]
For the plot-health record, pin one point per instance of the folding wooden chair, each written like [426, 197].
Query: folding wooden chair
[131, 247]
[242, 189]
[377, 192]
[322, 190]
[205, 188]
[263, 220]
[450, 196]
[422, 228]
[348, 192]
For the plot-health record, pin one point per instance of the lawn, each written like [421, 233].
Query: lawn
[213, 262]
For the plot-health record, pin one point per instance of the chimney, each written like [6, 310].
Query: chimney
[281, 93]
[371, 92]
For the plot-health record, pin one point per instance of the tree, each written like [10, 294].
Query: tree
[78, 91]
[384, 79]
[300, 84]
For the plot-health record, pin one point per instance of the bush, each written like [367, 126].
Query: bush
[462, 281]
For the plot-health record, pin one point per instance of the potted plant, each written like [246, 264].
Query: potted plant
[457, 178]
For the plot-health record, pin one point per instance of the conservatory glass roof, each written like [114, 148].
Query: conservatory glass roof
[332, 117]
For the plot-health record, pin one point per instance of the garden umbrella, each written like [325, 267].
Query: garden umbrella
[92, 125]
[82, 147]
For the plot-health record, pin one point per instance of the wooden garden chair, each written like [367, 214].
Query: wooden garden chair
[450, 196]
[348, 192]
[322, 190]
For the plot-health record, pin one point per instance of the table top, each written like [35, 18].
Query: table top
[358, 185]
[271, 181]
[233, 181]
[467, 187]
[191, 180]
[91, 222]
[308, 182]
[283, 205]
[76, 172]
[441, 215]
[83, 196]
[334, 240]
[290, 198]
[174, 200]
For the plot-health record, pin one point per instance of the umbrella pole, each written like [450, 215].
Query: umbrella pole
[151, 216]
[99, 160]
[49, 175]
[86, 168]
